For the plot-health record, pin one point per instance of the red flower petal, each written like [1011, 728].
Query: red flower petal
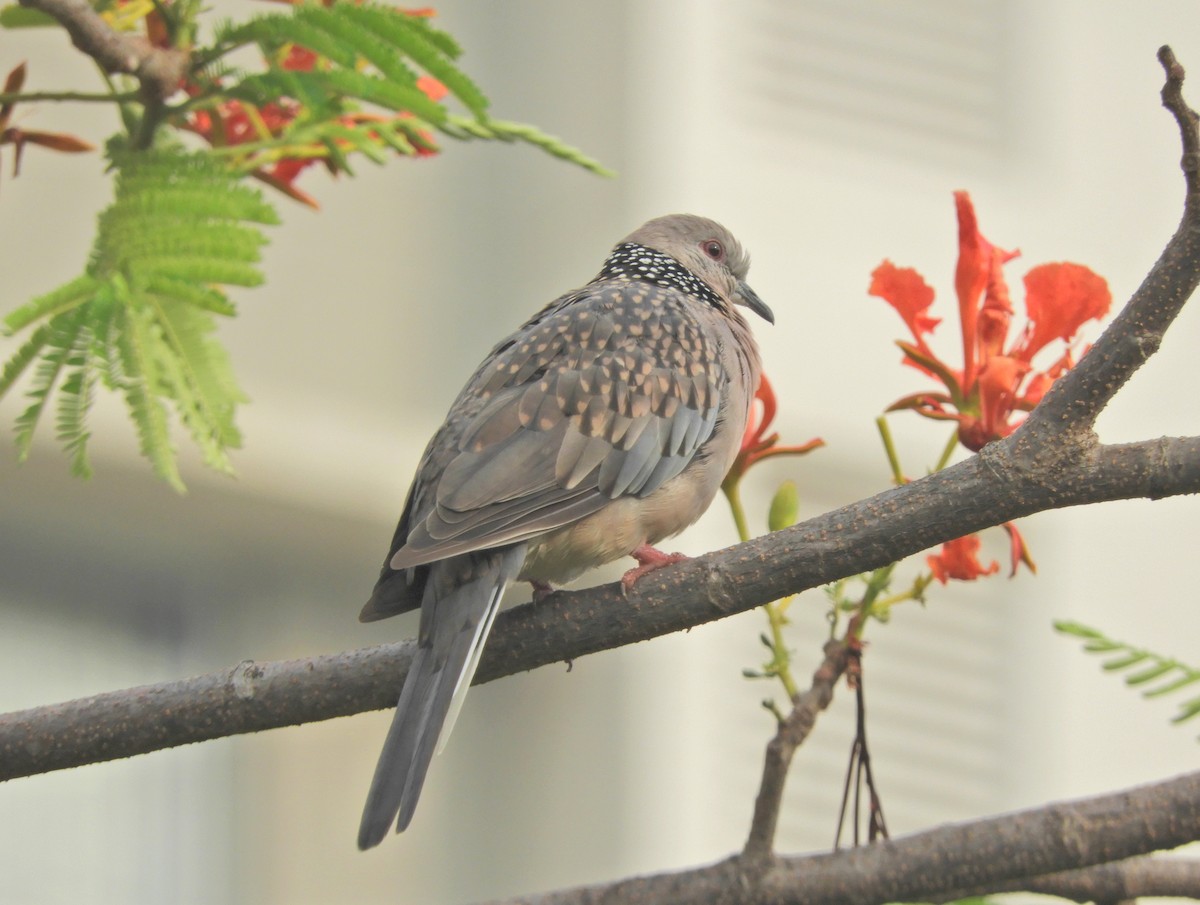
[286, 187]
[996, 313]
[772, 449]
[970, 278]
[770, 405]
[1018, 550]
[756, 443]
[906, 291]
[433, 89]
[1038, 385]
[959, 559]
[1059, 299]
[1041, 381]
[998, 382]
[299, 59]
[757, 426]
[287, 169]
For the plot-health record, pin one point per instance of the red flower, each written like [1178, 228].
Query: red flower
[234, 122]
[433, 89]
[909, 294]
[1018, 550]
[298, 59]
[756, 443]
[959, 559]
[994, 382]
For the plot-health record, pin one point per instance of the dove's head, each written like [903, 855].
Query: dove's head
[708, 251]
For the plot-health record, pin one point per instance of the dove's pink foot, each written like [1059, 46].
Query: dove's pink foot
[650, 559]
[541, 590]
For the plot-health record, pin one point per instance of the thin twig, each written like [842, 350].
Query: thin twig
[859, 768]
[29, 97]
[790, 734]
[1186, 119]
[1061, 424]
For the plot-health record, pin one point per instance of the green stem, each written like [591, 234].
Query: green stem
[951, 445]
[915, 592]
[780, 665]
[888, 602]
[23, 97]
[877, 583]
[780, 661]
[733, 493]
[129, 115]
[152, 116]
[889, 448]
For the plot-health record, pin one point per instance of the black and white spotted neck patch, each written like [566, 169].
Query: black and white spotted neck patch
[637, 262]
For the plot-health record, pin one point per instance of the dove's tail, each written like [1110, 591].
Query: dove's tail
[462, 595]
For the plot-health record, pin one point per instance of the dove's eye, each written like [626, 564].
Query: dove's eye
[713, 249]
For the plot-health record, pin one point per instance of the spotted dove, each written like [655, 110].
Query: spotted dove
[603, 425]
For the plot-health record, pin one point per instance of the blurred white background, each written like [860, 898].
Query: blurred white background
[828, 135]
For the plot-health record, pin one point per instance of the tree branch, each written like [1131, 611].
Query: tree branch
[1119, 881]
[983, 856]
[1073, 402]
[985, 490]
[789, 736]
[160, 70]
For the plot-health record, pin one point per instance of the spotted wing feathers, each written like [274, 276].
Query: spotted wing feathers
[605, 394]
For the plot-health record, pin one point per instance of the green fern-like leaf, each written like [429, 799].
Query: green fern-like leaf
[196, 372]
[333, 141]
[139, 321]
[498, 130]
[64, 298]
[350, 36]
[200, 296]
[74, 401]
[342, 34]
[376, 49]
[229, 241]
[305, 26]
[61, 335]
[320, 91]
[371, 54]
[441, 39]
[23, 358]
[1156, 666]
[358, 138]
[140, 347]
[398, 136]
[411, 36]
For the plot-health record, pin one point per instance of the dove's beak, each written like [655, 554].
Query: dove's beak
[750, 299]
